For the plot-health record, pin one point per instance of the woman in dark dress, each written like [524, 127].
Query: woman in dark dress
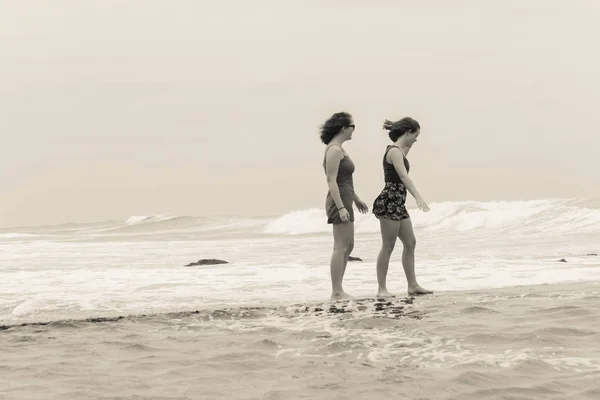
[389, 207]
[341, 196]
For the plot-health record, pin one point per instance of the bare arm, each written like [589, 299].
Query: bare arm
[361, 205]
[332, 163]
[395, 157]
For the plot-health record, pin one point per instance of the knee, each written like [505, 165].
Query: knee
[344, 247]
[410, 244]
[388, 246]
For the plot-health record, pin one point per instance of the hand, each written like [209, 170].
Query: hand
[422, 205]
[362, 206]
[344, 216]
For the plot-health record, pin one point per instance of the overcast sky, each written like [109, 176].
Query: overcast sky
[118, 108]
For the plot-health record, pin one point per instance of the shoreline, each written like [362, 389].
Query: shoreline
[511, 342]
[316, 305]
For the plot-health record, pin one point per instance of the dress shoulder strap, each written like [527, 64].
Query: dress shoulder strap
[388, 150]
[327, 149]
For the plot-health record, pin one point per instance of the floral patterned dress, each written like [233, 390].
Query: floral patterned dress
[390, 204]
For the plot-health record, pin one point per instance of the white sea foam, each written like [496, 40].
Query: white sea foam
[11, 235]
[138, 219]
[467, 245]
[551, 216]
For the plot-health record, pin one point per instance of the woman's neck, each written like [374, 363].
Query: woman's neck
[401, 143]
[337, 140]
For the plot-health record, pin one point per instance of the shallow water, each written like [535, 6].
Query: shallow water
[534, 342]
[507, 320]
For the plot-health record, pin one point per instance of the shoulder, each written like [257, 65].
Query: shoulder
[393, 152]
[334, 151]
[393, 149]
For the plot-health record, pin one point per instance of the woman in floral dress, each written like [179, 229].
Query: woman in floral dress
[389, 207]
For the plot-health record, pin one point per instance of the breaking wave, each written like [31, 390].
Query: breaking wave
[550, 216]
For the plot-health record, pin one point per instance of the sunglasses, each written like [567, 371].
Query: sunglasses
[352, 126]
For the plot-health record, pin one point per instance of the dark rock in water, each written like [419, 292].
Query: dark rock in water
[562, 260]
[350, 258]
[63, 323]
[592, 254]
[206, 261]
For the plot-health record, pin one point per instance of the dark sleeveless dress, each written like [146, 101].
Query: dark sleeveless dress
[390, 204]
[346, 186]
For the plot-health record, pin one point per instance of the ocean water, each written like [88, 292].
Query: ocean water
[136, 266]
[108, 310]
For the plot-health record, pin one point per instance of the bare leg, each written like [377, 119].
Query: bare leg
[407, 235]
[389, 233]
[348, 251]
[343, 238]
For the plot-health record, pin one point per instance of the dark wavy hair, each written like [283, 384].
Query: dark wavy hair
[399, 128]
[334, 125]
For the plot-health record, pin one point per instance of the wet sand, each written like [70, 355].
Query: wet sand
[534, 342]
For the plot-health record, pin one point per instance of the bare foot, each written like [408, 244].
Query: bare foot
[383, 293]
[418, 290]
[340, 296]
